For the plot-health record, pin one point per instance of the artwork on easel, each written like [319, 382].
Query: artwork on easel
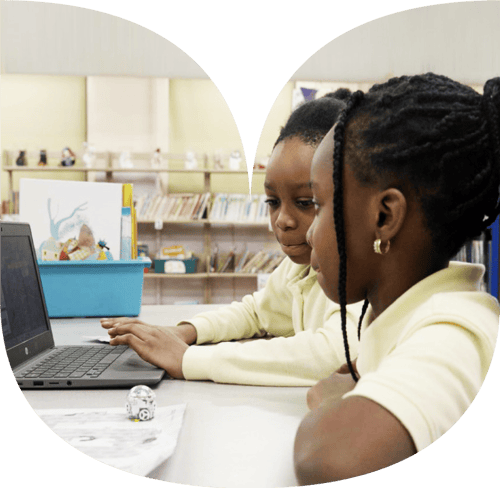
[310, 90]
[58, 210]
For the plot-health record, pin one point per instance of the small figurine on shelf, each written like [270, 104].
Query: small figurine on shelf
[89, 156]
[68, 157]
[156, 159]
[214, 260]
[125, 160]
[21, 159]
[218, 164]
[158, 162]
[235, 160]
[261, 164]
[141, 403]
[43, 158]
[103, 255]
[190, 162]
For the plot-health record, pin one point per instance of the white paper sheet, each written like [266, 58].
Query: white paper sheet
[108, 435]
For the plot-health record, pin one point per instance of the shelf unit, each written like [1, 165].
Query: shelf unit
[105, 164]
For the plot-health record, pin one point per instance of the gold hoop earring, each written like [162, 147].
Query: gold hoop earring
[377, 246]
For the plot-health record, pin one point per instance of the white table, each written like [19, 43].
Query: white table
[232, 435]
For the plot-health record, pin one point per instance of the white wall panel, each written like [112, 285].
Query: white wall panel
[43, 38]
[128, 113]
[459, 40]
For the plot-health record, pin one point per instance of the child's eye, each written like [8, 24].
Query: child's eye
[305, 203]
[272, 202]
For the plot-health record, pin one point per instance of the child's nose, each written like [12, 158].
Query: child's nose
[286, 219]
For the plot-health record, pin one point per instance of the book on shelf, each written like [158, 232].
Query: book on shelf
[261, 262]
[128, 249]
[243, 259]
[214, 260]
[234, 207]
[478, 251]
[227, 265]
[5, 207]
[13, 205]
[175, 206]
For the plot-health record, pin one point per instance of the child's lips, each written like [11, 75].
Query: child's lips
[292, 249]
[294, 245]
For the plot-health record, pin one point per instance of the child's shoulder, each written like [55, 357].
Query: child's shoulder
[474, 311]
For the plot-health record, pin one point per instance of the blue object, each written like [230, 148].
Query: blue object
[493, 267]
[93, 288]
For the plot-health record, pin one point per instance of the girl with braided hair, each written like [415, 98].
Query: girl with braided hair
[307, 343]
[409, 173]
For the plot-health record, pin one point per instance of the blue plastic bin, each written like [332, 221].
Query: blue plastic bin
[93, 288]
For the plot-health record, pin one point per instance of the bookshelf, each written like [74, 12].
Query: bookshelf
[154, 230]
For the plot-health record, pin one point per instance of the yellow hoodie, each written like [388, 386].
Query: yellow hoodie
[306, 342]
[425, 357]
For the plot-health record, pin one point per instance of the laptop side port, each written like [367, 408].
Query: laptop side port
[37, 383]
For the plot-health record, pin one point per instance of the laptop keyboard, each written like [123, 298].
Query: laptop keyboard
[75, 362]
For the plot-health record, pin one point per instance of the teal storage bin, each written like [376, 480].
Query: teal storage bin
[176, 266]
[93, 288]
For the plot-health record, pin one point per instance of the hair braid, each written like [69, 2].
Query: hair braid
[338, 215]
[363, 312]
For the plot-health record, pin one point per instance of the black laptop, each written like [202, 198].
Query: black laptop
[36, 362]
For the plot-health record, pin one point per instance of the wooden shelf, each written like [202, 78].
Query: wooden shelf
[160, 276]
[108, 162]
[47, 168]
[208, 222]
[113, 169]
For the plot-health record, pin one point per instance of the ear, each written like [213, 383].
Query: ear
[391, 213]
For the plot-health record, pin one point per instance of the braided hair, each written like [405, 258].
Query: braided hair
[312, 120]
[436, 140]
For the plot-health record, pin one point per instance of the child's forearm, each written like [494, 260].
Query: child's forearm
[348, 439]
[187, 332]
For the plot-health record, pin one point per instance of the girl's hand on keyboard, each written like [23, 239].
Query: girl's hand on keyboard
[159, 346]
[186, 331]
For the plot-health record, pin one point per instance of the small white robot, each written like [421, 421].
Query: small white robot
[141, 403]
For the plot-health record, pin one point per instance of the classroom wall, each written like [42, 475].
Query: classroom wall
[457, 40]
[277, 117]
[201, 122]
[49, 38]
[42, 112]
[49, 112]
[127, 113]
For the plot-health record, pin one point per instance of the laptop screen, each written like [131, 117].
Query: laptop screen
[23, 314]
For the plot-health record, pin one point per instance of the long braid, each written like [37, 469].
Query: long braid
[338, 214]
[363, 312]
